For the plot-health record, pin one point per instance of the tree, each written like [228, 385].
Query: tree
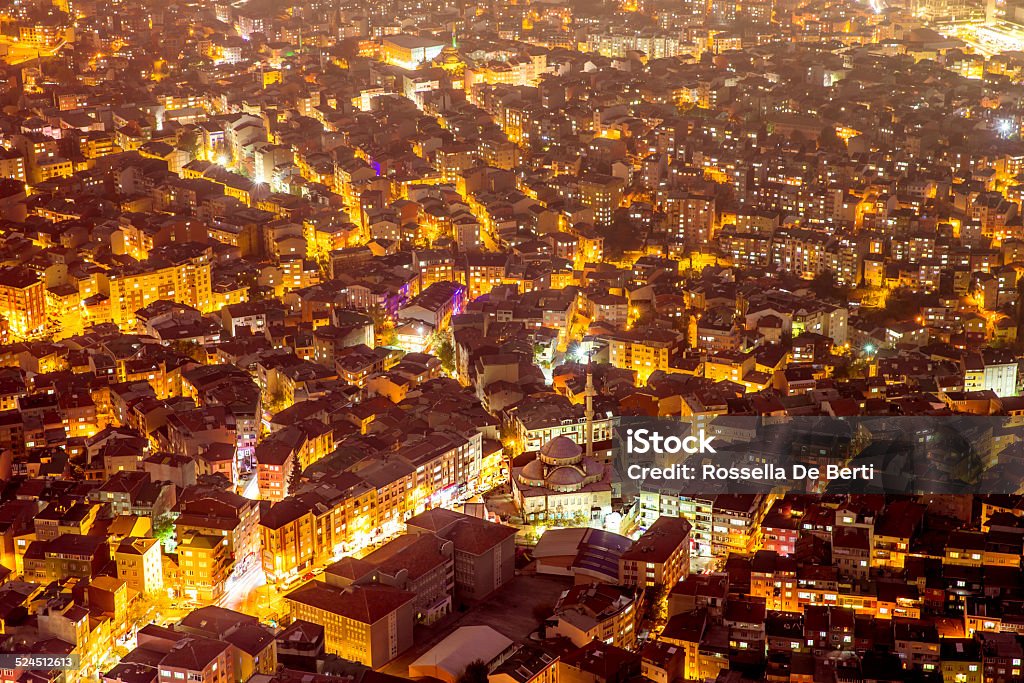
[621, 236]
[538, 355]
[476, 672]
[189, 142]
[295, 478]
[444, 349]
[323, 262]
[902, 307]
[140, 608]
[824, 285]
[275, 402]
[541, 612]
[655, 607]
[855, 368]
[383, 326]
[163, 529]
[829, 141]
[187, 347]
[580, 519]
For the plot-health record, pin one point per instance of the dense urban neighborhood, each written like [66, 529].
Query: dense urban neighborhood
[319, 320]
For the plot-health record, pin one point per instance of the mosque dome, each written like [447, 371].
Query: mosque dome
[561, 450]
[532, 473]
[565, 478]
[593, 468]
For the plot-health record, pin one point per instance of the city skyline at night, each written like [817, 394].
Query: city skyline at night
[539, 341]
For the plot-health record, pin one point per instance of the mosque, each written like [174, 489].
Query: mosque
[565, 482]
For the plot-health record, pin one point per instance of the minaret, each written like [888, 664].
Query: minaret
[589, 392]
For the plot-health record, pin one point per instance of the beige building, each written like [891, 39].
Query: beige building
[563, 484]
[602, 194]
[603, 612]
[422, 564]
[484, 552]
[690, 217]
[660, 557]
[67, 556]
[140, 564]
[198, 660]
[178, 273]
[529, 664]
[370, 625]
[642, 352]
[409, 51]
[22, 301]
[313, 526]
[204, 563]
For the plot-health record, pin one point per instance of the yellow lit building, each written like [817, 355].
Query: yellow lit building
[22, 301]
[98, 144]
[519, 71]
[642, 353]
[185, 280]
[41, 34]
[409, 51]
[229, 295]
[205, 563]
[369, 624]
[64, 314]
[602, 194]
[140, 564]
[12, 165]
[309, 528]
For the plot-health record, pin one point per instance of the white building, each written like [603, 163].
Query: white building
[562, 484]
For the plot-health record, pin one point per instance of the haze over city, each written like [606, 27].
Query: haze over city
[319, 320]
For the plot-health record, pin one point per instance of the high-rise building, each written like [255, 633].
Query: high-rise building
[602, 194]
[179, 273]
[690, 218]
[205, 563]
[140, 564]
[22, 301]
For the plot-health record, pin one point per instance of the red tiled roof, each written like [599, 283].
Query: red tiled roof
[366, 604]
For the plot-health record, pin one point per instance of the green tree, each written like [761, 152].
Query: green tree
[621, 236]
[441, 345]
[383, 326]
[580, 519]
[902, 307]
[655, 604]
[476, 672]
[295, 478]
[187, 347]
[140, 608]
[855, 368]
[163, 529]
[275, 402]
[538, 355]
[824, 285]
[189, 142]
[323, 262]
[828, 140]
[541, 612]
